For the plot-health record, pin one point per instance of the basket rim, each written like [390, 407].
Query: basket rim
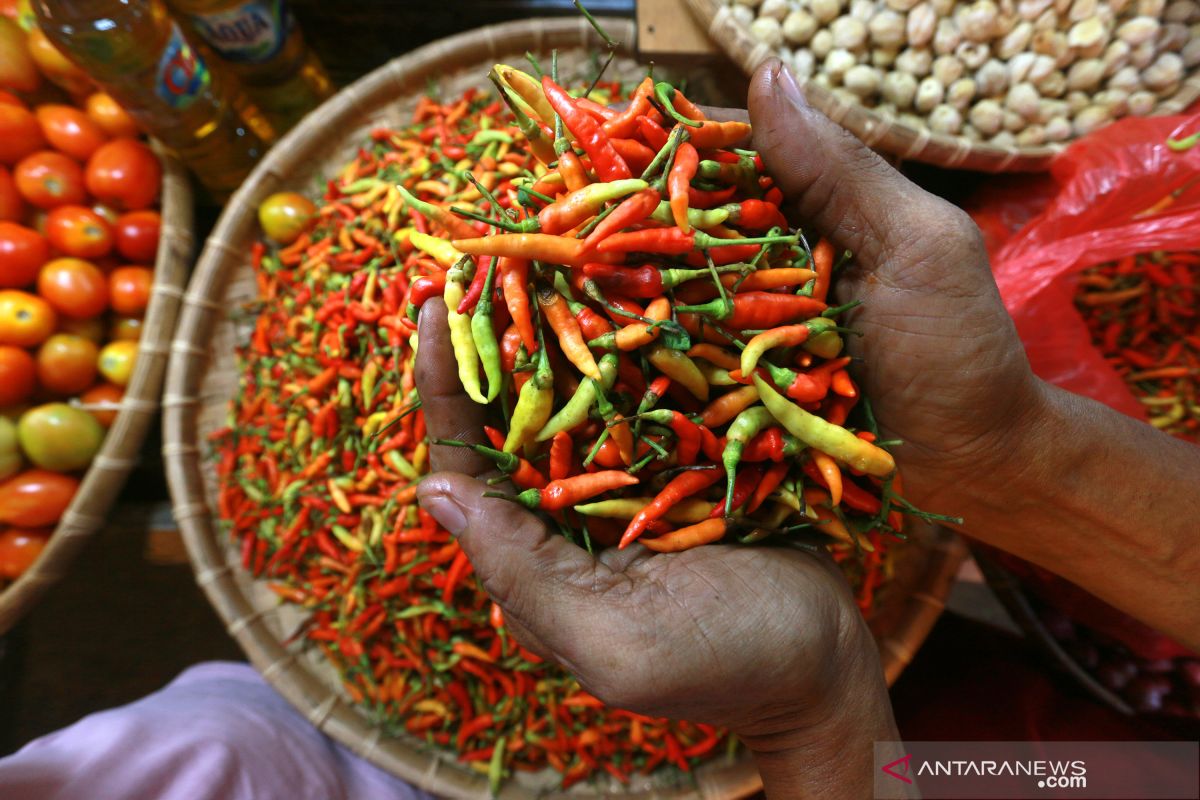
[891, 135]
[222, 255]
[102, 481]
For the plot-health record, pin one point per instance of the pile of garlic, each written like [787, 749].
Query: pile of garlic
[1010, 72]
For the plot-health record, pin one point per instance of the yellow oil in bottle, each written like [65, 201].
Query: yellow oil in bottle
[263, 46]
[138, 54]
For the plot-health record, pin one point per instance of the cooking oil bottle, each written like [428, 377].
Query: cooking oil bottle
[138, 54]
[264, 47]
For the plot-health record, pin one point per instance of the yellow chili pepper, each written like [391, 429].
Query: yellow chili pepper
[461, 338]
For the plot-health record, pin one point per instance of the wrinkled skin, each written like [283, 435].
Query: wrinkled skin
[766, 641]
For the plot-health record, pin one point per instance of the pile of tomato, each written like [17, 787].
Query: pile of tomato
[78, 237]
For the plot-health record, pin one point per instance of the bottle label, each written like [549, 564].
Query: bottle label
[250, 33]
[182, 74]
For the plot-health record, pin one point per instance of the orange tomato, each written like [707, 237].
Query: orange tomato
[129, 290]
[126, 329]
[18, 375]
[55, 66]
[137, 235]
[66, 364]
[22, 254]
[74, 287]
[19, 548]
[20, 134]
[79, 231]
[101, 402]
[36, 497]
[12, 207]
[108, 114]
[285, 215]
[117, 360]
[48, 179]
[125, 172]
[25, 319]
[70, 130]
[17, 69]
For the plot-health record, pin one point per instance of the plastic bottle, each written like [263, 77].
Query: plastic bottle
[138, 54]
[264, 47]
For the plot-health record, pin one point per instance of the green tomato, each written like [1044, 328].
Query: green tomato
[60, 438]
[10, 451]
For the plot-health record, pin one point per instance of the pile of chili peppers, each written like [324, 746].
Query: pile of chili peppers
[618, 375]
[1141, 313]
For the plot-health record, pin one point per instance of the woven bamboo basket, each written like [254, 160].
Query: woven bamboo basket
[888, 135]
[203, 377]
[120, 451]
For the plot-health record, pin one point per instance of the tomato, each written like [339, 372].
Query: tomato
[12, 207]
[126, 329]
[101, 402]
[66, 364]
[19, 548]
[22, 254]
[59, 437]
[125, 172]
[78, 231]
[25, 319]
[285, 215]
[20, 134]
[18, 375]
[107, 213]
[137, 235]
[91, 328]
[17, 70]
[36, 497]
[10, 450]
[129, 289]
[55, 66]
[73, 287]
[48, 179]
[70, 130]
[117, 360]
[108, 114]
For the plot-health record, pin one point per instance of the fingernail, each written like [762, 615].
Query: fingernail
[788, 86]
[446, 512]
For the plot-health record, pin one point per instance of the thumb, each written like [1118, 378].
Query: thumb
[536, 576]
[838, 184]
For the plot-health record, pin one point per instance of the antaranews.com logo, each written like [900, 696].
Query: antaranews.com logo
[1019, 770]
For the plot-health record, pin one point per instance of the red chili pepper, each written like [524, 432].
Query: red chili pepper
[682, 486]
[605, 160]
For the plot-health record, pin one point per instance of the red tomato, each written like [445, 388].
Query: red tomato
[10, 99]
[108, 114]
[48, 179]
[18, 375]
[19, 548]
[125, 172]
[12, 207]
[101, 402]
[20, 134]
[78, 231]
[22, 254]
[106, 211]
[36, 497]
[66, 364]
[137, 235]
[129, 289]
[74, 287]
[25, 319]
[70, 130]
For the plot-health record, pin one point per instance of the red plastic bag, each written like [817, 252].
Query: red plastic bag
[1122, 191]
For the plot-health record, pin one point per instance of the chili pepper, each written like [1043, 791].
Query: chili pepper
[673, 241]
[740, 491]
[605, 160]
[571, 168]
[715, 135]
[566, 328]
[823, 264]
[728, 406]
[786, 336]
[830, 473]
[652, 132]
[689, 510]
[744, 427]
[625, 123]
[534, 405]
[637, 155]
[762, 309]
[561, 494]
[514, 275]
[706, 532]
[536, 246]
[443, 252]
[461, 337]
[819, 434]
[687, 433]
[637, 334]
[631, 211]
[575, 207]
[575, 412]
[455, 227]
[770, 481]
[682, 172]
[679, 368]
[757, 215]
[682, 486]
[475, 289]
[484, 335]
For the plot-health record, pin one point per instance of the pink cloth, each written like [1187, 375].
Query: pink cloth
[217, 732]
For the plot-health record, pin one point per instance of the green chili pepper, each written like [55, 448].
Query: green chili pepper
[665, 93]
[534, 404]
[745, 426]
[575, 412]
[484, 335]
